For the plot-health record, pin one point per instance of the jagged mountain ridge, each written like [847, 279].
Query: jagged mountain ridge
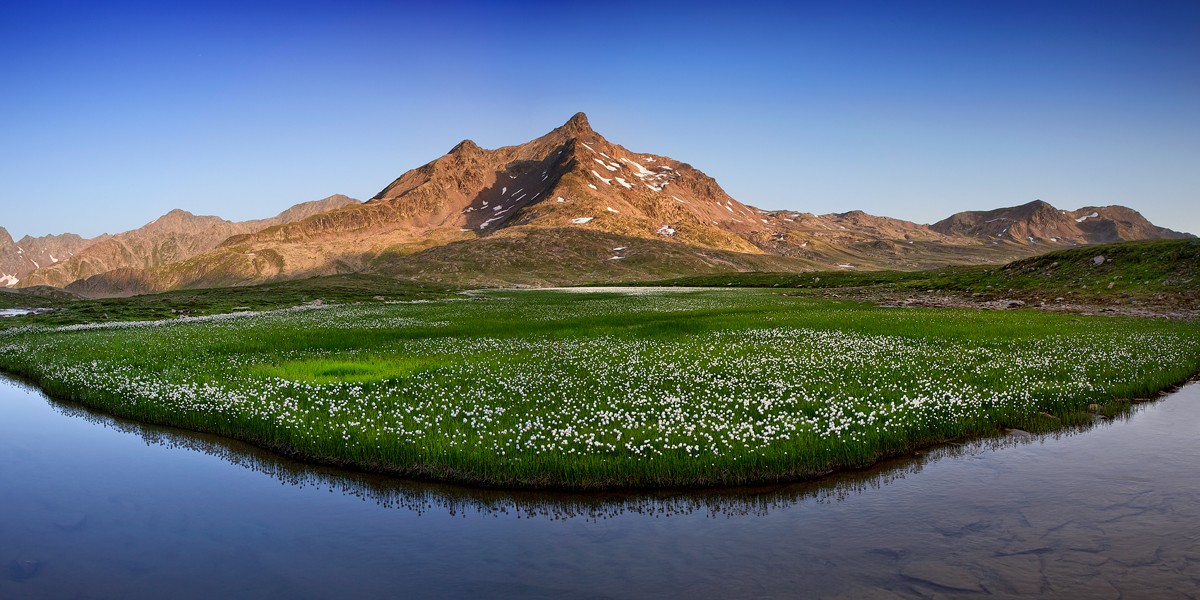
[1038, 221]
[435, 217]
[471, 192]
[481, 191]
[19, 258]
[173, 237]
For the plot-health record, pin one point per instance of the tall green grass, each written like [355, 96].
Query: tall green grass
[329, 370]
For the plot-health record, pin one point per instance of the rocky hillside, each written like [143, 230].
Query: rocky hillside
[173, 237]
[18, 259]
[526, 211]
[1040, 223]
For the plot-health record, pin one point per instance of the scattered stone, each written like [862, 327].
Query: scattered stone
[1087, 587]
[1011, 304]
[23, 568]
[1020, 573]
[240, 308]
[867, 593]
[69, 520]
[380, 298]
[942, 575]
[1097, 261]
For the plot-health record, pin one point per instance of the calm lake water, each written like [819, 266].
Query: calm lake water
[95, 507]
[16, 312]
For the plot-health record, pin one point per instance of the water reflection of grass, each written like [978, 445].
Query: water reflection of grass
[590, 391]
[424, 497]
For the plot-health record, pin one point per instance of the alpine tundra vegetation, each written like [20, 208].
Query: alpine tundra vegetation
[603, 389]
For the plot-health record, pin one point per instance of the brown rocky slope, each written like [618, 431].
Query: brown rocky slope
[176, 236]
[451, 218]
[18, 259]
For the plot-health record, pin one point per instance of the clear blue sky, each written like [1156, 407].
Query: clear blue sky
[112, 114]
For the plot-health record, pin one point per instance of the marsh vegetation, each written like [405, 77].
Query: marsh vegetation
[602, 390]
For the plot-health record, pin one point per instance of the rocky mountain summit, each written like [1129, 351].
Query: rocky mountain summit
[567, 207]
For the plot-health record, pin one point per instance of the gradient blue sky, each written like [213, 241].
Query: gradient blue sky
[112, 114]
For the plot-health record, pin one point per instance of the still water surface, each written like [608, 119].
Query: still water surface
[95, 507]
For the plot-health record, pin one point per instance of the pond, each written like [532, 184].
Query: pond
[17, 312]
[97, 507]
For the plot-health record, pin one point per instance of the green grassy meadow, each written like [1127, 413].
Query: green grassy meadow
[335, 289]
[596, 390]
[1153, 271]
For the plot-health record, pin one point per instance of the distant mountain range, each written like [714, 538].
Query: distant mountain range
[59, 260]
[18, 259]
[567, 207]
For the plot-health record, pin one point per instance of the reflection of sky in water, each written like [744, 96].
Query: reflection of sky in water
[1079, 514]
[13, 312]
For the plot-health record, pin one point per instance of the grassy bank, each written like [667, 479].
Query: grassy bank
[335, 289]
[1159, 271]
[599, 390]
